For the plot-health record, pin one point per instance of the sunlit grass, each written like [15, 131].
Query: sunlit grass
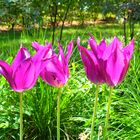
[78, 97]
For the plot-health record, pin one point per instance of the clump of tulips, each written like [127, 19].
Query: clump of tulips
[103, 64]
[56, 72]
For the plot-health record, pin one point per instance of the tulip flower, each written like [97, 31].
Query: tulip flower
[91, 61]
[23, 73]
[115, 60]
[56, 72]
[105, 64]
[93, 70]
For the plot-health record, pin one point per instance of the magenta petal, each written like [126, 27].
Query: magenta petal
[128, 50]
[46, 44]
[22, 55]
[61, 64]
[69, 51]
[92, 43]
[22, 79]
[61, 72]
[101, 48]
[42, 54]
[111, 48]
[92, 66]
[6, 71]
[36, 46]
[49, 77]
[30, 76]
[124, 71]
[114, 67]
[78, 41]
[90, 62]
[54, 74]
[119, 44]
[61, 56]
[40, 59]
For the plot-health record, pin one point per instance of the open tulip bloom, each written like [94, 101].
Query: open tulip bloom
[23, 72]
[56, 72]
[106, 64]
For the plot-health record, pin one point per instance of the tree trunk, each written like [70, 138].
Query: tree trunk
[54, 14]
[13, 25]
[132, 31]
[124, 29]
[63, 20]
[131, 21]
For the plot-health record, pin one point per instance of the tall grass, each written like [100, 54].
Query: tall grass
[78, 95]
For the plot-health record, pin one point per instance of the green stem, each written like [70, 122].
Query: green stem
[21, 116]
[58, 114]
[107, 114]
[94, 112]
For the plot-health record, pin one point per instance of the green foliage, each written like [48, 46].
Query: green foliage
[78, 95]
[27, 13]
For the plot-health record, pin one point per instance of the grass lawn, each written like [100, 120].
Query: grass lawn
[78, 95]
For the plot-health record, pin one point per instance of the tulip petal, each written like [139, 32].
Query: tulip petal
[43, 53]
[91, 65]
[114, 67]
[36, 46]
[101, 48]
[124, 71]
[78, 41]
[24, 75]
[54, 74]
[61, 56]
[27, 70]
[40, 59]
[6, 71]
[30, 76]
[22, 55]
[111, 48]
[90, 62]
[92, 43]
[49, 77]
[69, 51]
[128, 50]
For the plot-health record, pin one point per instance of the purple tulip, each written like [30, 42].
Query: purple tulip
[106, 64]
[116, 61]
[24, 71]
[91, 62]
[56, 72]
